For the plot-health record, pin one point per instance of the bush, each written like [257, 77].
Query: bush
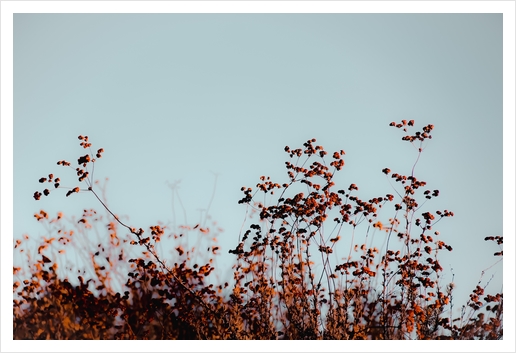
[286, 282]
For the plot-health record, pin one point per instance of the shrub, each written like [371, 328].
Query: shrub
[287, 282]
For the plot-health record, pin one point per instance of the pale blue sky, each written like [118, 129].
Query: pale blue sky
[179, 96]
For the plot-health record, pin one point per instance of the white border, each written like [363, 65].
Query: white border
[256, 6]
[8, 8]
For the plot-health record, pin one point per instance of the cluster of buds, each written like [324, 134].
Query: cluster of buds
[81, 173]
[46, 192]
[84, 143]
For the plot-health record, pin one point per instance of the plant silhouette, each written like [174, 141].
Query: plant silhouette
[287, 282]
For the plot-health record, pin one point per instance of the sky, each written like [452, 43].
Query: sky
[211, 100]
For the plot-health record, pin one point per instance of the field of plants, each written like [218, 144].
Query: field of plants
[286, 281]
